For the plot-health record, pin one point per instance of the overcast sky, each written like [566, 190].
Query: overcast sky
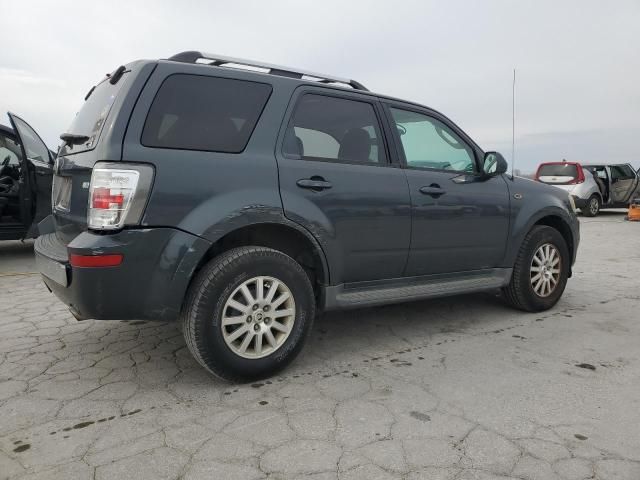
[577, 62]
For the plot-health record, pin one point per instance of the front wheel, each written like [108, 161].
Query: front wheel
[540, 272]
[593, 206]
[248, 313]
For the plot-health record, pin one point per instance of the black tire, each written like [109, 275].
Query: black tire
[592, 208]
[520, 292]
[203, 308]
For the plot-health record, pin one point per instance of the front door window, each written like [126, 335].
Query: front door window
[429, 143]
[10, 165]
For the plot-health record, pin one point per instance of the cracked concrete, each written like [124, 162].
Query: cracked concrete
[460, 388]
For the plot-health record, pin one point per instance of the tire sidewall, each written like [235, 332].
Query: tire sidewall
[587, 210]
[214, 293]
[542, 236]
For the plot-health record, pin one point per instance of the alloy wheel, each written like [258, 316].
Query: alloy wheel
[545, 270]
[258, 317]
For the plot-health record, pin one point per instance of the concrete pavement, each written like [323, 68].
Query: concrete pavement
[459, 388]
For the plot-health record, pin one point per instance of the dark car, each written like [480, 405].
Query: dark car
[25, 180]
[242, 198]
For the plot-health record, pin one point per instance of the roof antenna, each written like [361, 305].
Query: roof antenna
[513, 125]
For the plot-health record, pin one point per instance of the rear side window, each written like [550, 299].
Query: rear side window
[331, 128]
[193, 112]
[558, 170]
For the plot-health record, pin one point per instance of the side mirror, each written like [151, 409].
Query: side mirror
[494, 164]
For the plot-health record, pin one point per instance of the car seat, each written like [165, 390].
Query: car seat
[355, 146]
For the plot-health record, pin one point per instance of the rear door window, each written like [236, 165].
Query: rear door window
[622, 172]
[194, 112]
[335, 129]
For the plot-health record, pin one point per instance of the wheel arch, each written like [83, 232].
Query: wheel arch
[597, 193]
[561, 226]
[287, 238]
[554, 214]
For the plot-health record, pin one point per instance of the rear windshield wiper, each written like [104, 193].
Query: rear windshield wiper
[73, 139]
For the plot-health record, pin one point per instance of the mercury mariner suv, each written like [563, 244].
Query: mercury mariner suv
[242, 198]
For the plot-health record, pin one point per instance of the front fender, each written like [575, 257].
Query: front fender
[536, 203]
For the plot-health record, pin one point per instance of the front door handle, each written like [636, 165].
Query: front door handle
[433, 190]
[314, 183]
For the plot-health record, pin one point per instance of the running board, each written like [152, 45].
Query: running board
[381, 292]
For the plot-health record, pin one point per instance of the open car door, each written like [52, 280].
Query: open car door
[624, 181]
[635, 193]
[36, 174]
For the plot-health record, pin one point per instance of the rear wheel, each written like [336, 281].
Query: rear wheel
[540, 272]
[593, 206]
[248, 313]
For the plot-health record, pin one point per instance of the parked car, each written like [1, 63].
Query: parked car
[593, 186]
[243, 197]
[25, 181]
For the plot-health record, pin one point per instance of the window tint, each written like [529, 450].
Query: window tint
[34, 147]
[621, 172]
[333, 128]
[558, 170]
[193, 112]
[599, 172]
[429, 143]
[91, 117]
[9, 151]
[317, 143]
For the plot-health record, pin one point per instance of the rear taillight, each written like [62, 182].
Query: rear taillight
[537, 177]
[580, 177]
[117, 195]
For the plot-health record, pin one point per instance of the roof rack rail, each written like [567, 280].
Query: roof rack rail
[220, 60]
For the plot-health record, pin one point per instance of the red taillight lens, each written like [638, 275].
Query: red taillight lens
[580, 178]
[111, 193]
[537, 177]
[117, 194]
[111, 260]
[102, 198]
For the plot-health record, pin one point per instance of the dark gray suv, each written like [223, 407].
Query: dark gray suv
[242, 197]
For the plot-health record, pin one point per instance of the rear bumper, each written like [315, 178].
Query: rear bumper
[580, 202]
[149, 284]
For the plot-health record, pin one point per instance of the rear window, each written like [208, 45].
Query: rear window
[193, 112]
[558, 170]
[93, 114]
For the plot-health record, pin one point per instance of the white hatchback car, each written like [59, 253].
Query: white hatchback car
[593, 186]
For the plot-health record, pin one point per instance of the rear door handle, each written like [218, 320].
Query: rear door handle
[314, 183]
[433, 190]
